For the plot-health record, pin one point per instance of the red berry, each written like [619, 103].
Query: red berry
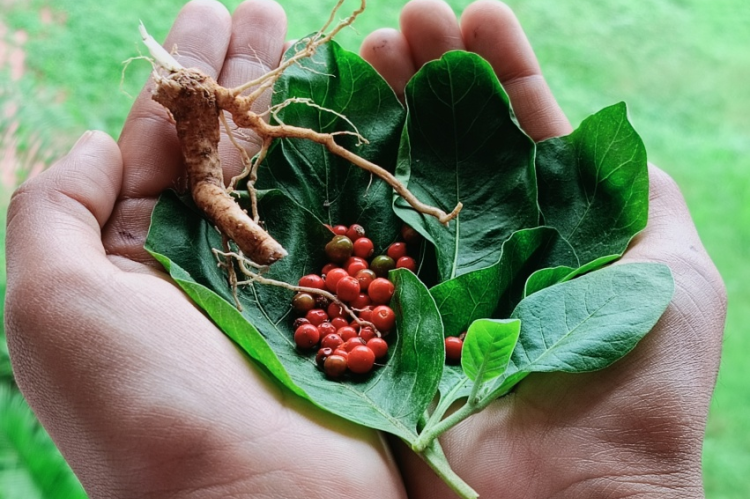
[335, 366]
[406, 262]
[364, 247]
[340, 351]
[378, 346]
[365, 277]
[332, 341]
[306, 336]
[326, 328]
[453, 347]
[410, 235]
[383, 318]
[353, 342]
[360, 302]
[347, 288]
[355, 231]
[381, 290]
[332, 278]
[335, 310]
[355, 264]
[367, 333]
[360, 360]
[327, 268]
[312, 281]
[366, 314]
[339, 322]
[316, 316]
[396, 250]
[322, 355]
[302, 302]
[347, 333]
[339, 230]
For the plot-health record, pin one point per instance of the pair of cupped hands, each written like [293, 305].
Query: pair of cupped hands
[146, 398]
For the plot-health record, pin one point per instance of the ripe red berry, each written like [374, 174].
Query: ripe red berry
[332, 278]
[360, 302]
[360, 360]
[327, 268]
[355, 264]
[378, 346]
[339, 322]
[366, 314]
[322, 355]
[341, 352]
[406, 262]
[381, 290]
[347, 288]
[326, 328]
[335, 310]
[453, 347]
[335, 366]
[367, 333]
[312, 281]
[355, 231]
[306, 336]
[364, 247]
[302, 302]
[351, 343]
[396, 250]
[383, 318]
[365, 277]
[332, 341]
[339, 230]
[347, 333]
[316, 316]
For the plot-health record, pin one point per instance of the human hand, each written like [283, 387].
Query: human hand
[142, 393]
[634, 429]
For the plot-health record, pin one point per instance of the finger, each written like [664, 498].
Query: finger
[388, 52]
[430, 29]
[490, 29]
[150, 149]
[256, 46]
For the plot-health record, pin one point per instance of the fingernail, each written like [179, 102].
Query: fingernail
[83, 139]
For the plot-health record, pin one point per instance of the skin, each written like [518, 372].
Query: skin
[146, 398]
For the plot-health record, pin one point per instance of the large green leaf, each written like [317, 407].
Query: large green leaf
[488, 347]
[461, 143]
[588, 323]
[346, 90]
[391, 399]
[593, 184]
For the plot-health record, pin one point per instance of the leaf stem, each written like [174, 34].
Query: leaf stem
[432, 431]
[435, 458]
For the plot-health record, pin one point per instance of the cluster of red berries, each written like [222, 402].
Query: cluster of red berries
[360, 281]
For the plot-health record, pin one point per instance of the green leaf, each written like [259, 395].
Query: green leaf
[593, 184]
[487, 348]
[462, 143]
[590, 322]
[496, 290]
[333, 189]
[392, 398]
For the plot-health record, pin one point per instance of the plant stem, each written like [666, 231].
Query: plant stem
[432, 431]
[435, 458]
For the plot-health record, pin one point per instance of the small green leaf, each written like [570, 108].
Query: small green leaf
[593, 184]
[487, 348]
[462, 144]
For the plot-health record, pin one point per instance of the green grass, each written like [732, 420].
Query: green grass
[681, 65]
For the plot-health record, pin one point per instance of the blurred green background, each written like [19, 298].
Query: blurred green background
[683, 67]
